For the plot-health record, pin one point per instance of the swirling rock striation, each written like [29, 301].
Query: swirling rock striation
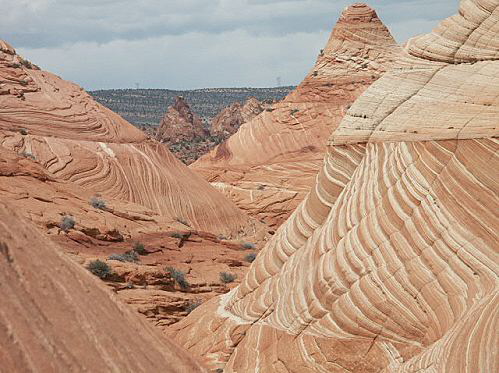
[269, 165]
[391, 262]
[78, 140]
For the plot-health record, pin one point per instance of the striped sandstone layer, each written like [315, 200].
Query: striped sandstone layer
[391, 262]
[78, 140]
[270, 164]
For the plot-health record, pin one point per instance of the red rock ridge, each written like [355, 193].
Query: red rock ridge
[269, 165]
[56, 318]
[76, 139]
[391, 262]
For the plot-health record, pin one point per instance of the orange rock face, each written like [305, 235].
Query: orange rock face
[98, 233]
[60, 151]
[179, 123]
[390, 264]
[14, 81]
[228, 121]
[269, 165]
[56, 318]
[76, 139]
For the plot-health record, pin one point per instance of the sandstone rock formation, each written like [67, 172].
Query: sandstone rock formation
[228, 121]
[61, 210]
[60, 151]
[180, 124]
[269, 165]
[14, 81]
[147, 285]
[54, 317]
[78, 140]
[391, 262]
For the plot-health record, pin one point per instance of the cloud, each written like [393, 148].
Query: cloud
[115, 43]
[193, 60]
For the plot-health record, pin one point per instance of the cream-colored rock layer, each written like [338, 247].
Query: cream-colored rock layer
[78, 140]
[54, 317]
[39, 197]
[292, 135]
[391, 262]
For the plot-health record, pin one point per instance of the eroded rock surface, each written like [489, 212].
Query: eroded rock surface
[270, 164]
[180, 123]
[63, 212]
[57, 124]
[54, 317]
[228, 121]
[390, 263]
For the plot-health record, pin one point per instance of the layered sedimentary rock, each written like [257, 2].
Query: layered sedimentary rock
[14, 81]
[180, 123]
[228, 121]
[45, 200]
[54, 317]
[391, 262]
[269, 165]
[63, 212]
[76, 139]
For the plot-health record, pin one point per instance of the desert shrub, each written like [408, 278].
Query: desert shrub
[67, 223]
[29, 155]
[23, 131]
[192, 305]
[261, 187]
[129, 256]
[294, 111]
[177, 235]
[178, 276]
[100, 269]
[98, 203]
[182, 221]
[250, 258]
[139, 248]
[226, 277]
[249, 245]
[26, 63]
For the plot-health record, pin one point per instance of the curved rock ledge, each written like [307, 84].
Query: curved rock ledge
[271, 163]
[391, 262]
[76, 139]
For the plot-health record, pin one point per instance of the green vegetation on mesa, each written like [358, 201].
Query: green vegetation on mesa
[146, 107]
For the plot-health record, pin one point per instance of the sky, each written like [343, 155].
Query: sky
[188, 44]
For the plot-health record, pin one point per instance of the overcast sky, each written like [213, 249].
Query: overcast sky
[185, 44]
